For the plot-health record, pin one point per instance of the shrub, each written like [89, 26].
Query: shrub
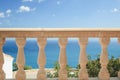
[15, 68]
[94, 66]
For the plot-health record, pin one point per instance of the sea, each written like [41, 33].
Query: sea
[52, 50]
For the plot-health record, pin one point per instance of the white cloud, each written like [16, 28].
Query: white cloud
[2, 15]
[115, 10]
[25, 9]
[5, 14]
[27, 0]
[8, 12]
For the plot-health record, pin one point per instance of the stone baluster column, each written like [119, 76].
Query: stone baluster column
[104, 74]
[2, 74]
[41, 59]
[62, 59]
[20, 75]
[83, 74]
[119, 59]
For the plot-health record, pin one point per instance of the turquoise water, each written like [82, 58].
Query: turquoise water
[52, 50]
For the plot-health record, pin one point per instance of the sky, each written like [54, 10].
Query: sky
[59, 13]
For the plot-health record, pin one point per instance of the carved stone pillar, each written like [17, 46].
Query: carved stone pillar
[119, 71]
[83, 74]
[20, 75]
[119, 60]
[104, 74]
[2, 74]
[41, 59]
[62, 59]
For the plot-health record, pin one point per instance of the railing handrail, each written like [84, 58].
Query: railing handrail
[59, 29]
[59, 32]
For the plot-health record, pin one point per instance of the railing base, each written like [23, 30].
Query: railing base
[112, 78]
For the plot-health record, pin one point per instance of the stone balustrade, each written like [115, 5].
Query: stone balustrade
[62, 33]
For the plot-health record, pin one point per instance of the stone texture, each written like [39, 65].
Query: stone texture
[104, 74]
[83, 74]
[62, 59]
[20, 75]
[2, 74]
[41, 59]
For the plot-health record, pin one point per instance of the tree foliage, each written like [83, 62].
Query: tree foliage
[15, 68]
[93, 67]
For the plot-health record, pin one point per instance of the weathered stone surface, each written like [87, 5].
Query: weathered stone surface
[20, 75]
[41, 75]
[83, 74]
[62, 59]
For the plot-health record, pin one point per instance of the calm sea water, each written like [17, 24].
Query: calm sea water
[52, 50]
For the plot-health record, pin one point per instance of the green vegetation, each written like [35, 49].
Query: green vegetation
[113, 67]
[93, 68]
[15, 68]
[56, 69]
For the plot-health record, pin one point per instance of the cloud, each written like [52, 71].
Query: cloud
[8, 12]
[25, 9]
[5, 14]
[27, 0]
[2, 15]
[115, 10]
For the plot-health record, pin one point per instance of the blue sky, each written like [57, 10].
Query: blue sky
[59, 13]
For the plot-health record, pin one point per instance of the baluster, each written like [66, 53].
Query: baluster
[2, 74]
[20, 75]
[41, 59]
[119, 71]
[104, 74]
[119, 60]
[83, 74]
[62, 59]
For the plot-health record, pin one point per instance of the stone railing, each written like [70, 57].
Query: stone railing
[44, 33]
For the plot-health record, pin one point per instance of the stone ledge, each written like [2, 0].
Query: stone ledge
[112, 78]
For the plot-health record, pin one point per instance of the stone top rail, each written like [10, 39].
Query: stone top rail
[59, 32]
